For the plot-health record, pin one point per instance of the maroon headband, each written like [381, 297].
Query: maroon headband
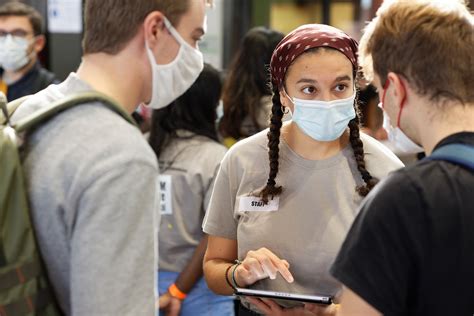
[306, 37]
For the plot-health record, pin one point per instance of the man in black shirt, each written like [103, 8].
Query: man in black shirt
[410, 251]
[21, 39]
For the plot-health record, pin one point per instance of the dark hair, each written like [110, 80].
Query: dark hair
[21, 9]
[271, 189]
[248, 81]
[194, 111]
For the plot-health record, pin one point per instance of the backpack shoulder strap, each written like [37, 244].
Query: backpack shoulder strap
[58, 106]
[459, 154]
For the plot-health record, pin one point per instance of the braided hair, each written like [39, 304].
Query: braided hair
[271, 189]
[358, 149]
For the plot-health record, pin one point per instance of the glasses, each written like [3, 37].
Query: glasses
[15, 33]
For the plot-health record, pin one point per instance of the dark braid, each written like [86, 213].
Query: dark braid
[358, 148]
[270, 188]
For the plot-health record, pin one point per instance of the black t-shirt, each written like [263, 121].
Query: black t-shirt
[410, 250]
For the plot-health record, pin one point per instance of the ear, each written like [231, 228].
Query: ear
[39, 43]
[283, 99]
[154, 28]
[399, 87]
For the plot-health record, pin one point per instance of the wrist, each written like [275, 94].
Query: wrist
[175, 292]
[235, 284]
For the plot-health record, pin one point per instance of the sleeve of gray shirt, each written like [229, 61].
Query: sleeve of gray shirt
[219, 220]
[113, 259]
[215, 160]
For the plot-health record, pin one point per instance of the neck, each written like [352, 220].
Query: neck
[13, 76]
[441, 125]
[309, 148]
[120, 77]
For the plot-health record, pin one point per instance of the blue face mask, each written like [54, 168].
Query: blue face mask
[321, 120]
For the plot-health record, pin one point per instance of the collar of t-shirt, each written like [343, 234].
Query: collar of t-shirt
[466, 138]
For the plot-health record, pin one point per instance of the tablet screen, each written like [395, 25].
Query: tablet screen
[316, 299]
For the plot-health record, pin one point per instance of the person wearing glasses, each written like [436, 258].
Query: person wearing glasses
[21, 40]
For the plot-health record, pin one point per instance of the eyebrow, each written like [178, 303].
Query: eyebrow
[305, 80]
[342, 78]
[338, 79]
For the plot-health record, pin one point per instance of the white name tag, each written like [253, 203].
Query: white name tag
[166, 208]
[255, 204]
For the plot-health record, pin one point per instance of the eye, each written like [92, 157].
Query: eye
[309, 90]
[341, 87]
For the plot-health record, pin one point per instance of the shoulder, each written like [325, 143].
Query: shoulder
[46, 77]
[379, 159]
[399, 195]
[87, 134]
[212, 147]
[38, 101]
[205, 152]
[248, 153]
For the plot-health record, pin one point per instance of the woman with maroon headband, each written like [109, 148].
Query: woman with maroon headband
[285, 198]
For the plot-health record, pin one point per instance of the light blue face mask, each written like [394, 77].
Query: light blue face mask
[322, 120]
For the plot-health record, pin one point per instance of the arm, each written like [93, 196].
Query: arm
[220, 254]
[193, 271]
[112, 243]
[354, 305]
[186, 279]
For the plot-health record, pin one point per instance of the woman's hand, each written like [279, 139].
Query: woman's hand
[270, 308]
[169, 305]
[261, 264]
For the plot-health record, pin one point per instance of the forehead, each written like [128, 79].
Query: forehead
[320, 65]
[12, 22]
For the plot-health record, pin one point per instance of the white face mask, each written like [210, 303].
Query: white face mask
[399, 140]
[170, 81]
[13, 52]
[323, 120]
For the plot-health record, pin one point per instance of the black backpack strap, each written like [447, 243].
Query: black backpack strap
[51, 110]
[459, 154]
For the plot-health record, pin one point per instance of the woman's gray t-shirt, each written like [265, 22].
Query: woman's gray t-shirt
[188, 166]
[316, 208]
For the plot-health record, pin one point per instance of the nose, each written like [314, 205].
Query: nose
[326, 96]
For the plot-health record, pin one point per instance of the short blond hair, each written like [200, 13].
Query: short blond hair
[429, 42]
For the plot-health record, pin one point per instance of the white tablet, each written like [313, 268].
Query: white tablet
[316, 299]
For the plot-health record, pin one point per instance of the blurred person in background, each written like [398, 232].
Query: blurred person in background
[184, 139]
[247, 96]
[21, 40]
